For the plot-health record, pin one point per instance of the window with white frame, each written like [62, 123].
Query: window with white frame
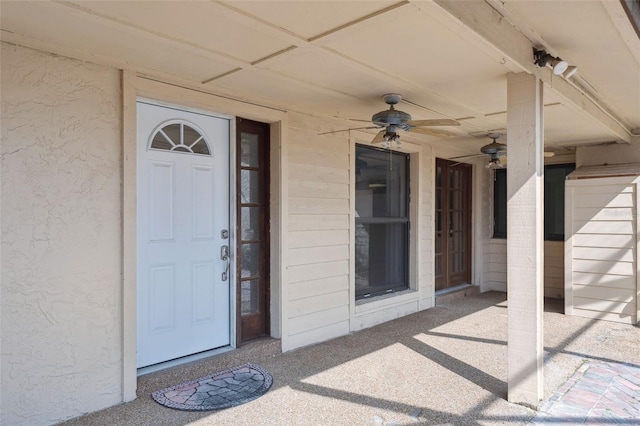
[382, 222]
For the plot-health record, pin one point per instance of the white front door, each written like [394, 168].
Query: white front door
[183, 212]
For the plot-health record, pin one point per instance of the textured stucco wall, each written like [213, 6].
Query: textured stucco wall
[61, 237]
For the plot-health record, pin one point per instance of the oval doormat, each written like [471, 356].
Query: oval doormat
[217, 391]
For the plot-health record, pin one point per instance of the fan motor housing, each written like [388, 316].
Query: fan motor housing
[390, 117]
[494, 148]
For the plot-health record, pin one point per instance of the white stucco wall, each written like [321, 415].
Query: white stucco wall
[61, 237]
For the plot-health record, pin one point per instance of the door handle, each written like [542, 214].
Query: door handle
[224, 255]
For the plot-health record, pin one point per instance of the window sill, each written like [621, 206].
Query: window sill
[385, 300]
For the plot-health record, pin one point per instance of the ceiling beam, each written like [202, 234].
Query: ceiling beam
[492, 27]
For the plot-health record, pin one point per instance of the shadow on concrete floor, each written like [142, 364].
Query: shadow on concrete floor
[445, 365]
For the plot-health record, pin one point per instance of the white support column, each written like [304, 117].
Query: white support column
[525, 238]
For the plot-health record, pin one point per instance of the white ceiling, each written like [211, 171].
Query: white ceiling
[336, 58]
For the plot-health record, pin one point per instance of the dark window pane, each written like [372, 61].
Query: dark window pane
[382, 223]
[381, 258]
[190, 135]
[172, 131]
[382, 185]
[554, 177]
[500, 204]
[162, 139]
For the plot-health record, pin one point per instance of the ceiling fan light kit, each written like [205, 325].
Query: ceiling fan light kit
[494, 163]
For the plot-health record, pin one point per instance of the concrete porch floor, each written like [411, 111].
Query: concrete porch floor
[443, 366]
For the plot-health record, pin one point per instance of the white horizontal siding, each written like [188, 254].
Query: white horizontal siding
[316, 173]
[316, 271]
[603, 253]
[603, 227]
[314, 335]
[604, 280]
[601, 270]
[592, 188]
[554, 269]
[310, 205]
[370, 319]
[496, 274]
[318, 319]
[603, 214]
[318, 222]
[600, 315]
[322, 254]
[320, 303]
[604, 267]
[604, 200]
[314, 238]
[609, 241]
[621, 295]
[318, 287]
[608, 306]
[318, 233]
[304, 188]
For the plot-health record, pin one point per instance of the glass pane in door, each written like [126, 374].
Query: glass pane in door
[249, 186]
[249, 297]
[250, 223]
[249, 150]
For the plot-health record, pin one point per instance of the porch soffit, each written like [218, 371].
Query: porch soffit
[448, 58]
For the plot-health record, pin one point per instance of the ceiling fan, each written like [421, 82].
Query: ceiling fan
[393, 120]
[495, 151]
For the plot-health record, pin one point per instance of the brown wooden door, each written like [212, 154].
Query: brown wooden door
[453, 224]
[253, 229]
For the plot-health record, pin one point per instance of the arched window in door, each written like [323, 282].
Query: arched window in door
[180, 136]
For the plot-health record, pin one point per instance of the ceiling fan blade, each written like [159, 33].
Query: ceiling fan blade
[466, 157]
[362, 121]
[547, 154]
[435, 122]
[379, 137]
[346, 130]
[432, 132]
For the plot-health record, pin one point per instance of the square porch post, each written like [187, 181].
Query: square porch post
[525, 238]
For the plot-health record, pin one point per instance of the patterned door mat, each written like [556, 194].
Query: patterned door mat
[217, 391]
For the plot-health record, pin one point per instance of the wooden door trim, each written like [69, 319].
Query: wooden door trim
[264, 188]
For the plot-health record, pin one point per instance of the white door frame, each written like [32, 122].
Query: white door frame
[134, 88]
